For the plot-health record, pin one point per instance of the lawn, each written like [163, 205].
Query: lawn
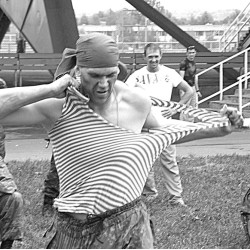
[213, 190]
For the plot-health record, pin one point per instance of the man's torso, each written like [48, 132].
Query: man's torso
[190, 70]
[158, 84]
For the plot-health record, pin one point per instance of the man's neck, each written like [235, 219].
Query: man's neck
[103, 107]
[153, 70]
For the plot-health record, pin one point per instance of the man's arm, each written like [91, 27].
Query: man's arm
[182, 73]
[13, 100]
[155, 120]
[188, 91]
[197, 89]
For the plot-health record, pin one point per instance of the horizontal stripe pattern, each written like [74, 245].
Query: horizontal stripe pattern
[102, 166]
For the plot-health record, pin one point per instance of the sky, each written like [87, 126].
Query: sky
[89, 7]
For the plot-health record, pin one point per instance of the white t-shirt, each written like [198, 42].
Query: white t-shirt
[159, 84]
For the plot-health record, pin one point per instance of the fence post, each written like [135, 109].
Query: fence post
[246, 68]
[240, 95]
[221, 81]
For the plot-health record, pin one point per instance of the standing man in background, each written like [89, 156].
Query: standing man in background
[21, 44]
[159, 81]
[187, 72]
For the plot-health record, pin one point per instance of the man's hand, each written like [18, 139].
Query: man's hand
[168, 112]
[60, 85]
[199, 94]
[233, 115]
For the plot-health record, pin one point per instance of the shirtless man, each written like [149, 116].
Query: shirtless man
[101, 155]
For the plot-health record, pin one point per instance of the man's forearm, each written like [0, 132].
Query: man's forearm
[185, 98]
[15, 98]
[196, 83]
[207, 133]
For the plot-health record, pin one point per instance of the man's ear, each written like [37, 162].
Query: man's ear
[77, 71]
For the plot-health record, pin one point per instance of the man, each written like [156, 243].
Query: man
[187, 72]
[21, 44]
[159, 81]
[51, 182]
[101, 155]
[11, 202]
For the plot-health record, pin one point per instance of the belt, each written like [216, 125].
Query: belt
[101, 216]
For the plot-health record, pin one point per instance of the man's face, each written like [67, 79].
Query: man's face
[191, 54]
[98, 83]
[153, 58]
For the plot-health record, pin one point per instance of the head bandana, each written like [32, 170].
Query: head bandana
[93, 50]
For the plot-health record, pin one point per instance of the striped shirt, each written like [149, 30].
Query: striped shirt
[102, 166]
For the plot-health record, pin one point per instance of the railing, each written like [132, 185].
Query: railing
[166, 47]
[220, 65]
[234, 29]
[243, 78]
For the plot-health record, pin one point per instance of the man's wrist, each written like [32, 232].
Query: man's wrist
[197, 90]
[246, 123]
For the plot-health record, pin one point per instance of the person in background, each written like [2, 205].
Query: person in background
[11, 202]
[159, 81]
[21, 44]
[102, 156]
[188, 73]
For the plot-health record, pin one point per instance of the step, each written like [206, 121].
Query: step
[244, 92]
[220, 104]
[245, 112]
[235, 98]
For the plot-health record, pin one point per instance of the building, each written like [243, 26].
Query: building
[134, 38]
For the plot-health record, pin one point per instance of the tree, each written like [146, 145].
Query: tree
[111, 17]
[94, 19]
[83, 20]
[131, 18]
[229, 19]
[205, 18]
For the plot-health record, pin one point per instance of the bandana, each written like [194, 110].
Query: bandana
[93, 50]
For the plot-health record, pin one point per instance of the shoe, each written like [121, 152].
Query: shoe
[150, 197]
[7, 244]
[176, 201]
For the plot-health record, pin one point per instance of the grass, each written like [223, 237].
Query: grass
[213, 190]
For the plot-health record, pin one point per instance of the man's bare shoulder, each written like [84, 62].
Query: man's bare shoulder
[134, 95]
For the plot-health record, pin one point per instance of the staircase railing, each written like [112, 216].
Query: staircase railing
[234, 29]
[243, 78]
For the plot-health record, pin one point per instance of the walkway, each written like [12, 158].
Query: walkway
[28, 143]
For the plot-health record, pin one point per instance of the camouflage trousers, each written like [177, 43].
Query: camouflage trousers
[125, 227]
[11, 206]
[245, 214]
[51, 184]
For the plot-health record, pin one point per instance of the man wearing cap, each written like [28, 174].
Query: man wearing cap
[101, 156]
[11, 202]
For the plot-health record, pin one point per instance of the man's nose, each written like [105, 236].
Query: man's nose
[103, 81]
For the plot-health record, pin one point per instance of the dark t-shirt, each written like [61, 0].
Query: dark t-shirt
[190, 70]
